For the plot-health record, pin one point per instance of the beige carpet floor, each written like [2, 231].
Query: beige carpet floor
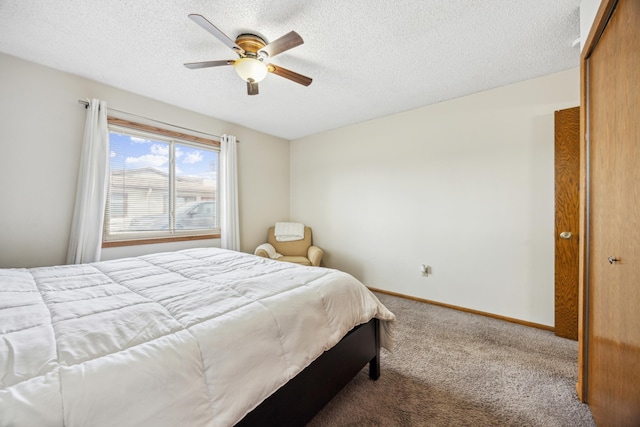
[450, 368]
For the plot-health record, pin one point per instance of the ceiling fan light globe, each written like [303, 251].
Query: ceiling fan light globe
[250, 69]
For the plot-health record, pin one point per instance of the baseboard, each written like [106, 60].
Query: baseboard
[467, 310]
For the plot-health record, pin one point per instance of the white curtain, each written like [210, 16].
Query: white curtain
[85, 241]
[229, 220]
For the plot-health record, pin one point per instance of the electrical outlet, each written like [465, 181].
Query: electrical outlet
[425, 270]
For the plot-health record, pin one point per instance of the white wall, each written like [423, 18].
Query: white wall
[465, 186]
[41, 126]
[588, 11]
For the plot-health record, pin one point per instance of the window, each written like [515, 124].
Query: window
[162, 185]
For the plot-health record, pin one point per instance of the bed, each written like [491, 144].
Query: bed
[198, 337]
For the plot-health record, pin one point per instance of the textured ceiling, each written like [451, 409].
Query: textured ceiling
[367, 58]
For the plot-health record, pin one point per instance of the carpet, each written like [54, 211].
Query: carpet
[451, 368]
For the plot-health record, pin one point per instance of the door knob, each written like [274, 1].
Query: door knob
[613, 260]
[566, 235]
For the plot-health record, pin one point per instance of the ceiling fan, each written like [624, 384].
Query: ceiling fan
[253, 51]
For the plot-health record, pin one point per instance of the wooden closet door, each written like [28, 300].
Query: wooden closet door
[613, 346]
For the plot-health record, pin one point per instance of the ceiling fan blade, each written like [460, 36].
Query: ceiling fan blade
[284, 43]
[288, 74]
[207, 64]
[252, 87]
[204, 23]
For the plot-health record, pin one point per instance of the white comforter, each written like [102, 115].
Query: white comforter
[190, 338]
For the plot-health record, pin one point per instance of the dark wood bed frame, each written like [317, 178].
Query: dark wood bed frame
[299, 400]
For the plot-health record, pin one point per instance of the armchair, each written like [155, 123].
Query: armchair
[297, 251]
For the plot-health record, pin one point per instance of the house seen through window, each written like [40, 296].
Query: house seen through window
[160, 186]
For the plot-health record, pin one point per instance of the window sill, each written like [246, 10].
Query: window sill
[114, 244]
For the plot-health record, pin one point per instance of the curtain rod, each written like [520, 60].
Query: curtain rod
[86, 105]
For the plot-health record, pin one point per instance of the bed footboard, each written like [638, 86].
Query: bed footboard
[299, 400]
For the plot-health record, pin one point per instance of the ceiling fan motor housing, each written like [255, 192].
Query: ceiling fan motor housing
[251, 44]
